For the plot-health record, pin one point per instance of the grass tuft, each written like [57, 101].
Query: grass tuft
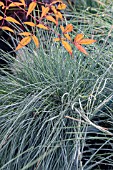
[55, 111]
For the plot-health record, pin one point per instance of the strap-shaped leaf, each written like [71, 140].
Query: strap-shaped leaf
[67, 46]
[23, 42]
[87, 41]
[7, 29]
[78, 37]
[32, 6]
[15, 4]
[1, 17]
[25, 33]
[50, 18]
[80, 48]
[57, 1]
[53, 8]
[36, 41]
[62, 28]
[67, 36]
[61, 6]
[45, 10]
[23, 2]
[42, 26]
[68, 28]
[59, 15]
[58, 39]
[32, 24]
[2, 4]
[10, 19]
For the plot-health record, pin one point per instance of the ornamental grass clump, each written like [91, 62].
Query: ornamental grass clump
[47, 108]
[56, 108]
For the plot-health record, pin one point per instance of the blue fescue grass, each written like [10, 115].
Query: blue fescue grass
[54, 110]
